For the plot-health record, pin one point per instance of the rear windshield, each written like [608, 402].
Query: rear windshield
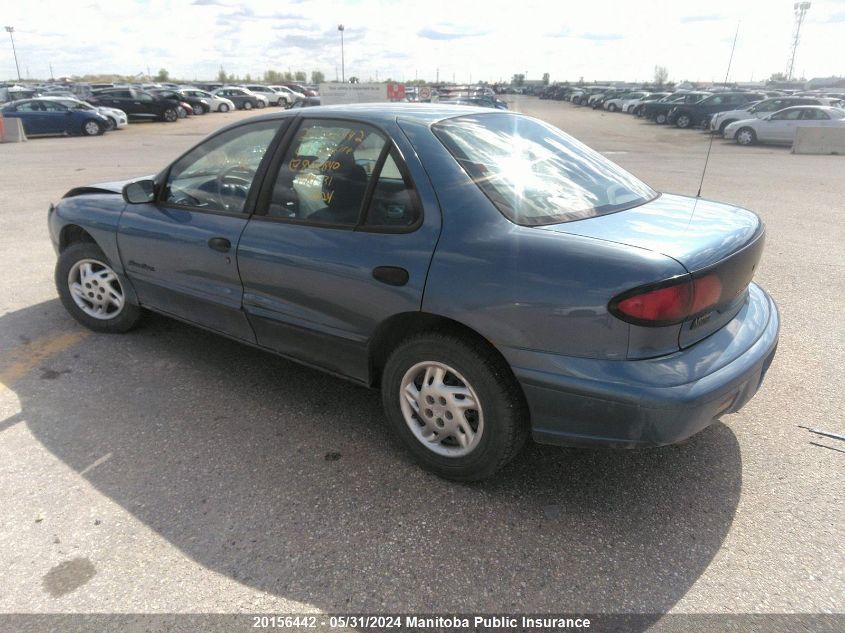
[534, 173]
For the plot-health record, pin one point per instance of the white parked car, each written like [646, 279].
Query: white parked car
[269, 92]
[758, 110]
[629, 106]
[117, 118]
[780, 127]
[215, 102]
[616, 104]
[289, 95]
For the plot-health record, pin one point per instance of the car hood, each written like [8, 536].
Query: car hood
[115, 186]
[695, 232]
[740, 113]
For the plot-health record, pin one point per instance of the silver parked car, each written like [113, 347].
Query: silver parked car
[780, 127]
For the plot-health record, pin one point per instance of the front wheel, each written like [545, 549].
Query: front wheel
[92, 128]
[261, 105]
[91, 291]
[247, 105]
[746, 136]
[683, 121]
[612, 107]
[223, 108]
[660, 119]
[170, 115]
[111, 124]
[454, 405]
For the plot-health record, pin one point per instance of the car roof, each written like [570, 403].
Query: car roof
[809, 107]
[381, 113]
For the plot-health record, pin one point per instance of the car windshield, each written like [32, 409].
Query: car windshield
[534, 173]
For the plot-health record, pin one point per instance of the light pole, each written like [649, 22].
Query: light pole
[10, 30]
[341, 28]
[801, 9]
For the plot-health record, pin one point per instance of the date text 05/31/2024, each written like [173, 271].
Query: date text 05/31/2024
[420, 622]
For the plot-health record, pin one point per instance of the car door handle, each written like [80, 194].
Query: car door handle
[219, 244]
[391, 275]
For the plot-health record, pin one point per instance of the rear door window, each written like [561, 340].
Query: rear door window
[326, 172]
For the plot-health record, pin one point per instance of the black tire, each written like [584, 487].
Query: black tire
[261, 105]
[111, 124]
[725, 124]
[746, 136]
[92, 128]
[123, 321]
[505, 412]
[683, 121]
[612, 107]
[223, 107]
[170, 115]
[198, 109]
[660, 118]
[247, 105]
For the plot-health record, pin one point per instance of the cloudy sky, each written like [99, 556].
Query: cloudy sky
[404, 39]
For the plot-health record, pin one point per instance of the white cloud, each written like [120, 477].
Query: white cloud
[402, 39]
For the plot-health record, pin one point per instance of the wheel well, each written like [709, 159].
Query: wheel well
[71, 234]
[407, 324]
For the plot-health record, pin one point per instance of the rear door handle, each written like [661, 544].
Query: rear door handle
[220, 244]
[391, 275]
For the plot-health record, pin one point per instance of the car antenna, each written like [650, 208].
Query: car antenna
[710, 144]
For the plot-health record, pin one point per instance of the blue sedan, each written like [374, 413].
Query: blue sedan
[43, 116]
[494, 277]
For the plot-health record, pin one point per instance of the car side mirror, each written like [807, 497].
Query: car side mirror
[139, 192]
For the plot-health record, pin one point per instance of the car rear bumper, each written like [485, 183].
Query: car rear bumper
[652, 402]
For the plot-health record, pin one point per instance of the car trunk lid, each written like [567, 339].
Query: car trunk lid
[707, 238]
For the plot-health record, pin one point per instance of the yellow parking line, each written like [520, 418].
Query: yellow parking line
[22, 360]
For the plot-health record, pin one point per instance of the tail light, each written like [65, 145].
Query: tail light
[669, 302]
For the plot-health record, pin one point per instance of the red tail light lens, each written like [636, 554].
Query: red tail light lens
[668, 303]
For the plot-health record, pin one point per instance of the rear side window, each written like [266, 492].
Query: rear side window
[534, 173]
[330, 172]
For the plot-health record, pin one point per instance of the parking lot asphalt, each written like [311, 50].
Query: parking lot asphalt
[170, 470]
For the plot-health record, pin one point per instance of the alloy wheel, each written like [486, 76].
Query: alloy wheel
[441, 409]
[95, 289]
[91, 128]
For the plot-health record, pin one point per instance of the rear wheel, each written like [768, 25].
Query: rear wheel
[223, 108]
[247, 105]
[746, 136]
[683, 121]
[92, 128]
[91, 291]
[170, 115]
[612, 107]
[660, 119]
[454, 405]
[110, 124]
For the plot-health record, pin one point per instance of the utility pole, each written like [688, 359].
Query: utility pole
[800, 11]
[10, 30]
[342, 28]
[51, 71]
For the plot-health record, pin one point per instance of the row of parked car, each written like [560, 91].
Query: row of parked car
[112, 107]
[746, 116]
